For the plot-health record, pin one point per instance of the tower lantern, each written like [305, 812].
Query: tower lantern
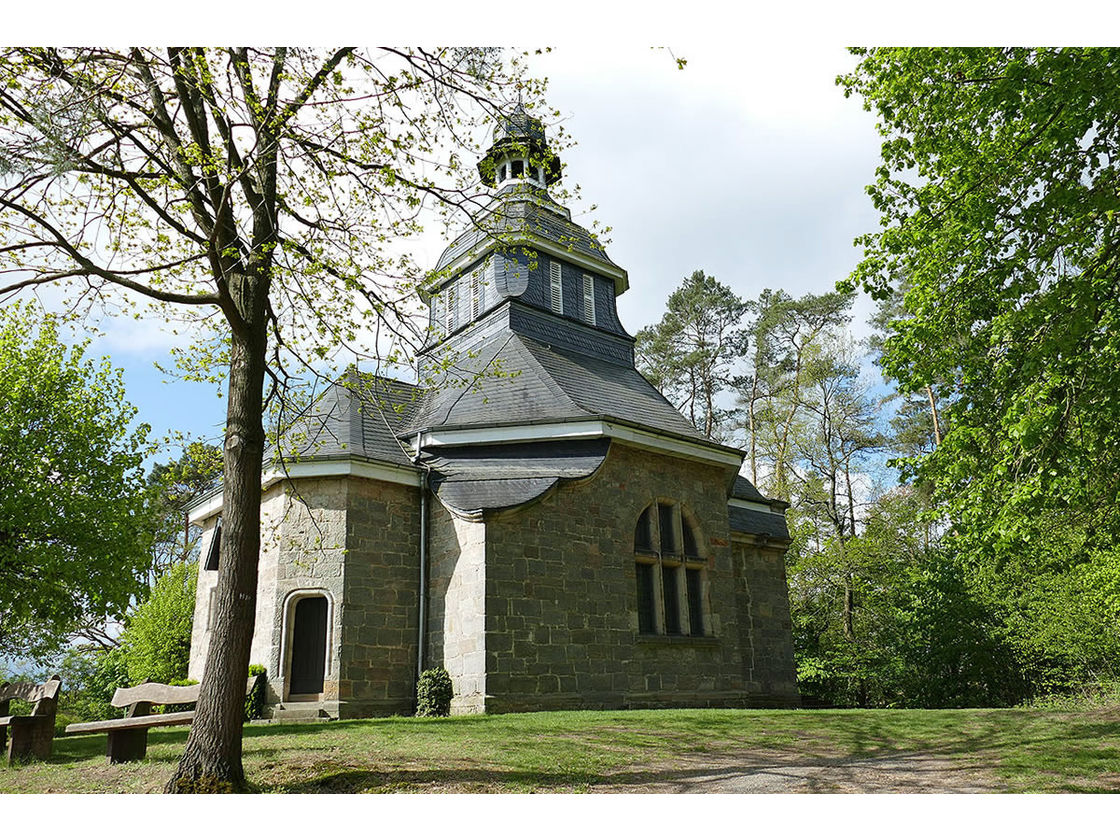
[519, 153]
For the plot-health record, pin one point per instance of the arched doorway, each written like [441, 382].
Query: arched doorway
[309, 645]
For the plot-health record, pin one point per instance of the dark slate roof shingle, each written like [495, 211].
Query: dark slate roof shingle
[472, 479]
[743, 489]
[517, 217]
[747, 521]
[541, 383]
[359, 416]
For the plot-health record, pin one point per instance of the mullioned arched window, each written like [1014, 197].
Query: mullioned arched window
[671, 573]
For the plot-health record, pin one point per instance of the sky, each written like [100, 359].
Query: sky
[750, 165]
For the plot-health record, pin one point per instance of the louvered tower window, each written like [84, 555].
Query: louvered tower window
[589, 299]
[476, 293]
[556, 290]
[452, 305]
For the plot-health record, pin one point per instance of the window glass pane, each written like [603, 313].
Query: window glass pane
[665, 521]
[672, 605]
[690, 547]
[646, 621]
[517, 167]
[695, 602]
[643, 533]
[215, 550]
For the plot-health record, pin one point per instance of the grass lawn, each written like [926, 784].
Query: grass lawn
[1012, 750]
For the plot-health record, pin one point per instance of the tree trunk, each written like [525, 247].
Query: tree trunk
[211, 761]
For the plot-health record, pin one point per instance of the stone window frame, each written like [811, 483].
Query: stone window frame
[671, 561]
[287, 628]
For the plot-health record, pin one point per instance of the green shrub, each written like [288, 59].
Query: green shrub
[157, 639]
[90, 677]
[433, 693]
[61, 721]
[254, 700]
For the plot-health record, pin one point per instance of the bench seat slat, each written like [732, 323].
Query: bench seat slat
[141, 722]
[10, 719]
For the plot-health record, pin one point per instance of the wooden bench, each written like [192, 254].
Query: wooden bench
[31, 735]
[128, 736]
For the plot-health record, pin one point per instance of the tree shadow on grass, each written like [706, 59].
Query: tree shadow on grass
[896, 772]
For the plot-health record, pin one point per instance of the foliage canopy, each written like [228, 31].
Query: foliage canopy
[75, 524]
[998, 200]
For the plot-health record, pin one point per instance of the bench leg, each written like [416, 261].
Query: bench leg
[31, 738]
[127, 745]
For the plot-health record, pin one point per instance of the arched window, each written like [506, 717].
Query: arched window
[670, 571]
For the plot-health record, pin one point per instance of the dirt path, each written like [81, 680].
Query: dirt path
[775, 772]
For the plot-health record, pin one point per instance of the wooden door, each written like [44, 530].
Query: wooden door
[309, 646]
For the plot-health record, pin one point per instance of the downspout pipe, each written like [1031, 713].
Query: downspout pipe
[422, 624]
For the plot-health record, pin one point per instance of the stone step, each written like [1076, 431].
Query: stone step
[301, 711]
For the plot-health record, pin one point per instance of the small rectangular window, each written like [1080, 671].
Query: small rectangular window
[589, 299]
[555, 287]
[646, 620]
[693, 583]
[672, 605]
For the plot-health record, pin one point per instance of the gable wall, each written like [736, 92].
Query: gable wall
[561, 597]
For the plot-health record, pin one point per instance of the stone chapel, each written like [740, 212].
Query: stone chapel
[545, 525]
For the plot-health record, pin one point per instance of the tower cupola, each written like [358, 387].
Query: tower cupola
[519, 153]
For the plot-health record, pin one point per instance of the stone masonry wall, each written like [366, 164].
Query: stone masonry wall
[772, 677]
[355, 542]
[561, 596]
[457, 598]
[200, 627]
[380, 600]
[311, 546]
[264, 633]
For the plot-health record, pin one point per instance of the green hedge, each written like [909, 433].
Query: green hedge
[433, 693]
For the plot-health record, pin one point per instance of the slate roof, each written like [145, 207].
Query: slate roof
[471, 479]
[359, 416]
[536, 383]
[747, 521]
[532, 212]
[743, 489]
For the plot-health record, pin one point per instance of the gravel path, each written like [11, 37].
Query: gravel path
[779, 773]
